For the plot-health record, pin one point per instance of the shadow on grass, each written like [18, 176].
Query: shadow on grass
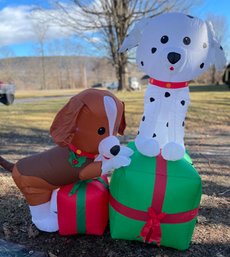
[23, 143]
[213, 164]
[215, 215]
[214, 189]
[204, 88]
[213, 173]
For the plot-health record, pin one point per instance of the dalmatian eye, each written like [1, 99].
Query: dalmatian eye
[164, 39]
[101, 131]
[186, 40]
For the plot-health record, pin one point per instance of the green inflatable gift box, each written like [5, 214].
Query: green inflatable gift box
[154, 200]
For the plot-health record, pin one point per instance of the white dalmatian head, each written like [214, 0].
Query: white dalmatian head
[174, 47]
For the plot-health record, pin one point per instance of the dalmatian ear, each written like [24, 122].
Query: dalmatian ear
[133, 38]
[217, 55]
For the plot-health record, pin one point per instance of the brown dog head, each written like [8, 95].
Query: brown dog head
[83, 121]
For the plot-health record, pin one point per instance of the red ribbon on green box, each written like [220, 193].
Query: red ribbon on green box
[154, 217]
[80, 189]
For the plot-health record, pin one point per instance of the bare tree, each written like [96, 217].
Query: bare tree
[109, 20]
[83, 76]
[7, 54]
[41, 27]
[220, 27]
[65, 71]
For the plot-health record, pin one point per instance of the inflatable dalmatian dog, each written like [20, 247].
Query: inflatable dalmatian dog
[172, 48]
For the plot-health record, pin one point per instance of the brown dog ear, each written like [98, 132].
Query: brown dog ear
[64, 124]
[122, 125]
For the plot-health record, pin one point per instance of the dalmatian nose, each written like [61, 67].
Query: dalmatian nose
[173, 57]
[115, 150]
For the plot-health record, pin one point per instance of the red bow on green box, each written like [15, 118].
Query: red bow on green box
[151, 232]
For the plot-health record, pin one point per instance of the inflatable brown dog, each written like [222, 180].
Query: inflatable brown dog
[83, 129]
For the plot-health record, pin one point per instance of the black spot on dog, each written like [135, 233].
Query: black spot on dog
[205, 45]
[167, 124]
[151, 99]
[167, 94]
[190, 16]
[138, 132]
[183, 102]
[142, 63]
[202, 65]
[154, 135]
[183, 124]
[143, 118]
[164, 39]
[153, 50]
[221, 48]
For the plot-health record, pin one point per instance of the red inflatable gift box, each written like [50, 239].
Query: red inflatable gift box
[83, 207]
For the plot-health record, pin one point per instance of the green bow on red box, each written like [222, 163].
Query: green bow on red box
[80, 189]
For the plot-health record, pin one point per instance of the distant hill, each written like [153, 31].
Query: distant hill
[58, 71]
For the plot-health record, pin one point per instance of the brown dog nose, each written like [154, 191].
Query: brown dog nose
[173, 57]
[115, 150]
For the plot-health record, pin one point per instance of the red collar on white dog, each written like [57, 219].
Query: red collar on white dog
[169, 85]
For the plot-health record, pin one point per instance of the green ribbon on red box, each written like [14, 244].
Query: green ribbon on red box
[80, 189]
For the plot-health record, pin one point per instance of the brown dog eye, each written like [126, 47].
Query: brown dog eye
[101, 131]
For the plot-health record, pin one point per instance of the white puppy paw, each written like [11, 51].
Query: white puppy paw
[125, 151]
[115, 163]
[147, 146]
[173, 151]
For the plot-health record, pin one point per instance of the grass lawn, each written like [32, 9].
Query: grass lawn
[209, 108]
[24, 130]
[44, 93]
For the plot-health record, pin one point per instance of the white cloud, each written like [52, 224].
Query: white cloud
[18, 26]
[14, 25]
[94, 40]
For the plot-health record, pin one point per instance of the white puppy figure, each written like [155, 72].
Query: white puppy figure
[172, 48]
[111, 153]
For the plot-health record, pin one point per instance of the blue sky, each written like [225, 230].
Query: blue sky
[17, 36]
